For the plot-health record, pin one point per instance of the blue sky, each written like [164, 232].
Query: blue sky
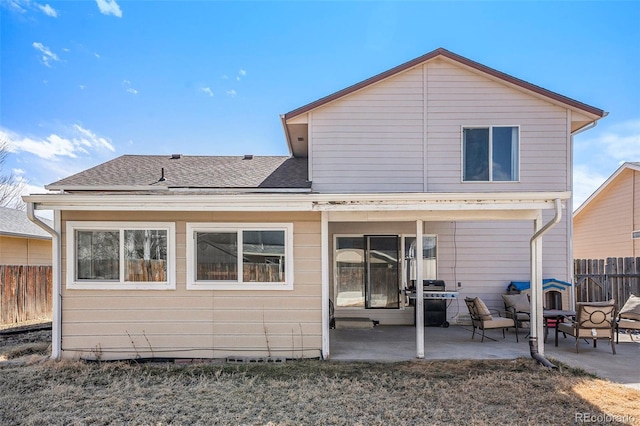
[82, 82]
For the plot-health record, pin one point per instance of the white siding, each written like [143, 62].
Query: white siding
[403, 134]
[371, 140]
[484, 257]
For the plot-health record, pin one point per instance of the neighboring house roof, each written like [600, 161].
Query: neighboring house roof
[15, 223]
[628, 165]
[148, 172]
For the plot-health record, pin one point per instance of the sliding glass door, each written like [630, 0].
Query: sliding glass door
[367, 271]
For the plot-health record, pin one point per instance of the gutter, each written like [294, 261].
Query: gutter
[56, 337]
[533, 340]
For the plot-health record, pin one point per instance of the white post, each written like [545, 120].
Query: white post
[324, 256]
[537, 319]
[56, 275]
[419, 293]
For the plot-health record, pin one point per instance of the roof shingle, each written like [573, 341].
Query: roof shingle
[192, 172]
[15, 223]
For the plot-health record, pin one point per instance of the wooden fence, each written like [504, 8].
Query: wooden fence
[25, 293]
[599, 279]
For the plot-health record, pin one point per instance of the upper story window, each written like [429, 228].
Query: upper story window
[491, 154]
[234, 256]
[120, 255]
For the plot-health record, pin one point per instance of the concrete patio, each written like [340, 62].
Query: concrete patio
[397, 343]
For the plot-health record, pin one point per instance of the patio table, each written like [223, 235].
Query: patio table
[557, 315]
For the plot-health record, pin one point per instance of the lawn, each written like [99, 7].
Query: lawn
[35, 390]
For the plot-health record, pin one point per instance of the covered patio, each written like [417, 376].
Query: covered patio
[397, 343]
[418, 209]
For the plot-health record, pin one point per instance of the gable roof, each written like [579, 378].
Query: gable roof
[145, 172]
[628, 165]
[296, 128]
[15, 223]
[454, 57]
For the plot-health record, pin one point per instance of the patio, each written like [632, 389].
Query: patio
[397, 343]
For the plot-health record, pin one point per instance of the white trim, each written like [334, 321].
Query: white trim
[425, 128]
[74, 284]
[490, 127]
[289, 202]
[56, 274]
[419, 292]
[310, 147]
[238, 227]
[197, 190]
[324, 258]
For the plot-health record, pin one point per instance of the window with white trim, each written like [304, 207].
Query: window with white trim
[239, 256]
[491, 154]
[120, 255]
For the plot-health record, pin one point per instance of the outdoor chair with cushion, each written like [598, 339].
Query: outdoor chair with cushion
[629, 317]
[518, 307]
[594, 320]
[482, 318]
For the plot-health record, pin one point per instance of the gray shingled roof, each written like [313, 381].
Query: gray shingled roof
[192, 172]
[15, 223]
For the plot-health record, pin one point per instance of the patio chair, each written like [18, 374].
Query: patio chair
[482, 318]
[517, 307]
[594, 320]
[629, 317]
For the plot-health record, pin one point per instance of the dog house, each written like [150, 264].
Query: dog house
[556, 292]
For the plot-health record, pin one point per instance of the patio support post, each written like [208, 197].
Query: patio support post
[324, 256]
[536, 323]
[419, 292]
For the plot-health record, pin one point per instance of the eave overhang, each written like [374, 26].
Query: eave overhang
[442, 205]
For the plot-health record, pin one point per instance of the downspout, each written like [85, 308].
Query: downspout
[56, 313]
[533, 340]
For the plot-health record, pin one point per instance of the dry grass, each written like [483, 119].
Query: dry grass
[307, 392]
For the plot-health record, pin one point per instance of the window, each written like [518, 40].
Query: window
[109, 255]
[491, 154]
[236, 256]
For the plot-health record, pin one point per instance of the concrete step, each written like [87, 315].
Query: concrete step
[354, 322]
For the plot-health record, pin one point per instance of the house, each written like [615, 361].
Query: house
[211, 257]
[607, 224]
[21, 241]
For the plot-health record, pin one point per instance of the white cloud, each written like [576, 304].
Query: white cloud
[80, 141]
[18, 171]
[93, 139]
[585, 182]
[82, 87]
[109, 7]
[224, 77]
[231, 92]
[131, 90]
[97, 55]
[48, 10]
[16, 5]
[599, 152]
[47, 54]
[242, 73]
[622, 141]
[207, 90]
